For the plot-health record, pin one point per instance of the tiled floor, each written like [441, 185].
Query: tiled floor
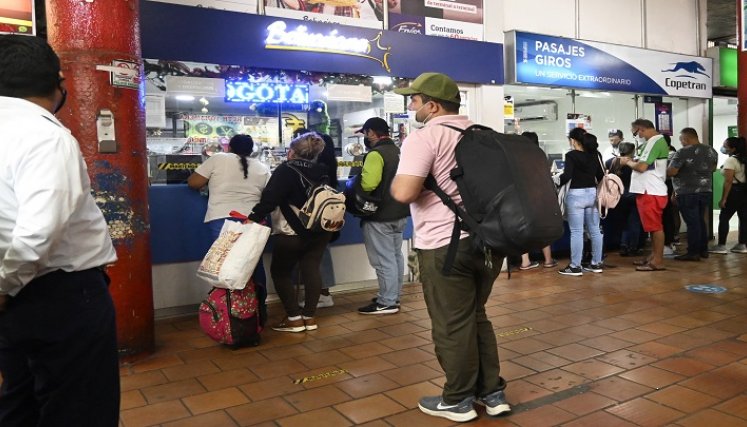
[622, 348]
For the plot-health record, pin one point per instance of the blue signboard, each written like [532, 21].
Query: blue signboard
[259, 92]
[557, 61]
[182, 33]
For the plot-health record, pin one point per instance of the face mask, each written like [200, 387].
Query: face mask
[62, 101]
[641, 140]
[414, 123]
[412, 117]
[724, 150]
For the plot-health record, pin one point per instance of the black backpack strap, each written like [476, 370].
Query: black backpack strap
[459, 213]
[290, 216]
[293, 220]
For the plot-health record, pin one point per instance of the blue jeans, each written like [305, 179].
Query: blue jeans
[693, 207]
[582, 211]
[259, 276]
[382, 240]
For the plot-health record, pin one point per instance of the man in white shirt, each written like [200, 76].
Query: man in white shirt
[615, 136]
[58, 349]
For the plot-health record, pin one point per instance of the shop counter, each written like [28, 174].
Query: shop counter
[180, 239]
[178, 233]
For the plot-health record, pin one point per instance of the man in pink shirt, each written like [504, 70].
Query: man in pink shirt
[463, 336]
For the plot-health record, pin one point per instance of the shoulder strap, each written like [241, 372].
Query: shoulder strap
[305, 182]
[290, 216]
[459, 213]
[453, 128]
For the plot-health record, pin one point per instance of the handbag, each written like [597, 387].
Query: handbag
[234, 255]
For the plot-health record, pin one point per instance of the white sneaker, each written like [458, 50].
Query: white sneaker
[668, 251]
[740, 249]
[719, 249]
[324, 301]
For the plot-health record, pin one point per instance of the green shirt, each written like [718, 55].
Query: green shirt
[371, 174]
[652, 180]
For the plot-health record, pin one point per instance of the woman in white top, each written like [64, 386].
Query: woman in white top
[235, 183]
[734, 196]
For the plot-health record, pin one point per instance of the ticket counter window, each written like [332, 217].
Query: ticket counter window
[193, 110]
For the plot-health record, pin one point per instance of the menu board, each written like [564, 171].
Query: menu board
[460, 19]
[17, 17]
[270, 131]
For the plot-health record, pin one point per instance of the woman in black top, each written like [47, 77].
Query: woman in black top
[285, 193]
[583, 168]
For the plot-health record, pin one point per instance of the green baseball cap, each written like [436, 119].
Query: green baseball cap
[435, 85]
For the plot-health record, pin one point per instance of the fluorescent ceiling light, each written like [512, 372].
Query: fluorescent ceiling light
[184, 98]
[382, 80]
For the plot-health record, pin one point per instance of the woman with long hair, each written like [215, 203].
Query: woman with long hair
[235, 183]
[734, 195]
[583, 167]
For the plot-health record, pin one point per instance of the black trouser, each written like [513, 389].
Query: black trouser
[670, 217]
[693, 208]
[287, 251]
[736, 201]
[58, 353]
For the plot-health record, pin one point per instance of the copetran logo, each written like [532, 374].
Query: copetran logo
[686, 70]
[692, 67]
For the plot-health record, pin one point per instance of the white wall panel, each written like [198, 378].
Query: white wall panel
[671, 26]
[557, 17]
[611, 21]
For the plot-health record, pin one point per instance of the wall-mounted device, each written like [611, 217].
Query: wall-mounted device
[105, 131]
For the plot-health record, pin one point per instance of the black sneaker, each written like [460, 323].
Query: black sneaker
[571, 271]
[461, 412]
[375, 300]
[494, 403]
[593, 268]
[376, 308]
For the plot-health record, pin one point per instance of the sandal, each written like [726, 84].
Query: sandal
[640, 262]
[533, 264]
[649, 267]
[550, 264]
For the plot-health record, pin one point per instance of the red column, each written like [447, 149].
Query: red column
[742, 73]
[86, 34]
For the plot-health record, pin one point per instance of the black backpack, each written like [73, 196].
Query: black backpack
[509, 203]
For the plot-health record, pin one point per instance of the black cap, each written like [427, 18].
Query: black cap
[376, 124]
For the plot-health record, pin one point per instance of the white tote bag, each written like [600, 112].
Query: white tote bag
[233, 257]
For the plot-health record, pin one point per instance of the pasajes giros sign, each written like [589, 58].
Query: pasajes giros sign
[557, 61]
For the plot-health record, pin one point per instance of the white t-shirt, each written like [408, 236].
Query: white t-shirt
[228, 190]
[738, 168]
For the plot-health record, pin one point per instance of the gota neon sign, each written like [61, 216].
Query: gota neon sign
[258, 92]
[300, 39]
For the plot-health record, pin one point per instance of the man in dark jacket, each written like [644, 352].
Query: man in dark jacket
[382, 231]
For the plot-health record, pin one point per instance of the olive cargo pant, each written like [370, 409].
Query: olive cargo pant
[464, 339]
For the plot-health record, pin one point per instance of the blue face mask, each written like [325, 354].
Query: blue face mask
[724, 150]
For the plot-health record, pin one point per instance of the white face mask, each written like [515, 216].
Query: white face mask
[414, 123]
[641, 140]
